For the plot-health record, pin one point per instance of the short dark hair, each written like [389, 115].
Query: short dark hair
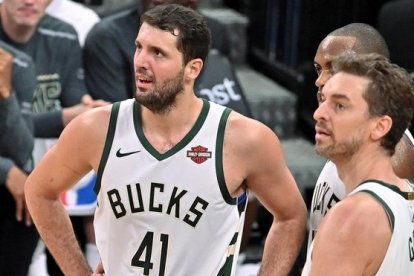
[389, 92]
[368, 39]
[193, 37]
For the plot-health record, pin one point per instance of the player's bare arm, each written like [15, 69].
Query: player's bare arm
[77, 152]
[255, 156]
[340, 250]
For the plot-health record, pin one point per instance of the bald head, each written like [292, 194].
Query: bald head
[359, 38]
[367, 39]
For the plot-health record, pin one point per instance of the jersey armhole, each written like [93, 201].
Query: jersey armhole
[219, 158]
[387, 209]
[108, 144]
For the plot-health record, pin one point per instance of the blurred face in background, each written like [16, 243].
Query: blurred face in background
[148, 4]
[330, 48]
[23, 14]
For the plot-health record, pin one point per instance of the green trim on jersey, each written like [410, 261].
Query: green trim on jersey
[405, 195]
[226, 269]
[108, 144]
[387, 209]
[219, 158]
[390, 214]
[180, 145]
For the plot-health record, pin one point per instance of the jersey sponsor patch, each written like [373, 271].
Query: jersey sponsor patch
[199, 154]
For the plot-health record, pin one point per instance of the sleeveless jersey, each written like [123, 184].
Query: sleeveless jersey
[169, 213]
[399, 206]
[329, 190]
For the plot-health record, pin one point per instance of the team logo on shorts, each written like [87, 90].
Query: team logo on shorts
[199, 154]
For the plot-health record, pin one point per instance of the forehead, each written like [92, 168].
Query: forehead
[332, 46]
[156, 37]
[345, 84]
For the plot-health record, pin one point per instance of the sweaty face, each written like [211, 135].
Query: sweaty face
[330, 48]
[23, 13]
[159, 69]
[342, 118]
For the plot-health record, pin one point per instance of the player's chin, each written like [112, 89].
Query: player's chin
[142, 89]
[321, 149]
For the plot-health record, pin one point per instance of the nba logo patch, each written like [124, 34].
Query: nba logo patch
[199, 154]
[81, 199]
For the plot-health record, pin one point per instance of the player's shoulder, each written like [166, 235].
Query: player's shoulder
[95, 120]
[241, 122]
[353, 212]
[98, 114]
[357, 220]
[249, 133]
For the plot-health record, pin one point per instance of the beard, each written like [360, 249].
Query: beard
[343, 149]
[163, 97]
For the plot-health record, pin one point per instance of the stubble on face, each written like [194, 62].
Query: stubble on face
[344, 149]
[162, 98]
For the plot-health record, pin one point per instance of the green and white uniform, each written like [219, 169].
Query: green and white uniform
[170, 213]
[399, 206]
[328, 191]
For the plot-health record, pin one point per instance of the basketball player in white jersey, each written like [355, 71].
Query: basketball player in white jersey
[363, 111]
[173, 170]
[361, 39]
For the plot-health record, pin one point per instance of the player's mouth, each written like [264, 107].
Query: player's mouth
[143, 82]
[321, 133]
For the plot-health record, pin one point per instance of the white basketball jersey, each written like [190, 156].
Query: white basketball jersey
[328, 191]
[399, 206]
[169, 213]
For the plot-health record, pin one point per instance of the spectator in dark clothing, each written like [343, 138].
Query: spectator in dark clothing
[18, 237]
[109, 54]
[60, 94]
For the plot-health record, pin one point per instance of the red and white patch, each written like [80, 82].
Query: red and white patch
[199, 154]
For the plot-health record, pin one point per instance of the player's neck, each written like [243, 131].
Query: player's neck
[364, 166]
[164, 131]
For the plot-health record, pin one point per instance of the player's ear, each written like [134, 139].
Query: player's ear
[381, 126]
[193, 68]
